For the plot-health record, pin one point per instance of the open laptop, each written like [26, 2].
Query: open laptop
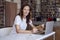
[48, 27]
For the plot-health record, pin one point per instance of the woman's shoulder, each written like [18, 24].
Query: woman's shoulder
[17, 16]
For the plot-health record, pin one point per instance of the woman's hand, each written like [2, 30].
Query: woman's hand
[40, 28]
[34, 30]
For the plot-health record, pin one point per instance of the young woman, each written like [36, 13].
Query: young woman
[22, 20]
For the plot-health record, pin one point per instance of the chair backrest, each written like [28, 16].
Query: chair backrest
[49, 27]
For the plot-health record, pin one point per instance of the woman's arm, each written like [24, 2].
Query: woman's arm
[39, 28]
[35, 26]
[18, 30]
[34, 30]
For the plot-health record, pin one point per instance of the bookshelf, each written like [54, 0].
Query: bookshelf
[48, 9]
[2, 13]
[44, 9]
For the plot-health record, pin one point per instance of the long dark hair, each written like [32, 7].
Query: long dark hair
[29, 16]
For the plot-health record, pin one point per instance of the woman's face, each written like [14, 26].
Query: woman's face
[26, 10]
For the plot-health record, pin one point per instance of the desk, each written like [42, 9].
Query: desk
[27, 36]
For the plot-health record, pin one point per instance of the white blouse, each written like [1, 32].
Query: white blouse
[22, 23]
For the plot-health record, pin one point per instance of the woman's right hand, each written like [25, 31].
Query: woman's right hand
[34, 30]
